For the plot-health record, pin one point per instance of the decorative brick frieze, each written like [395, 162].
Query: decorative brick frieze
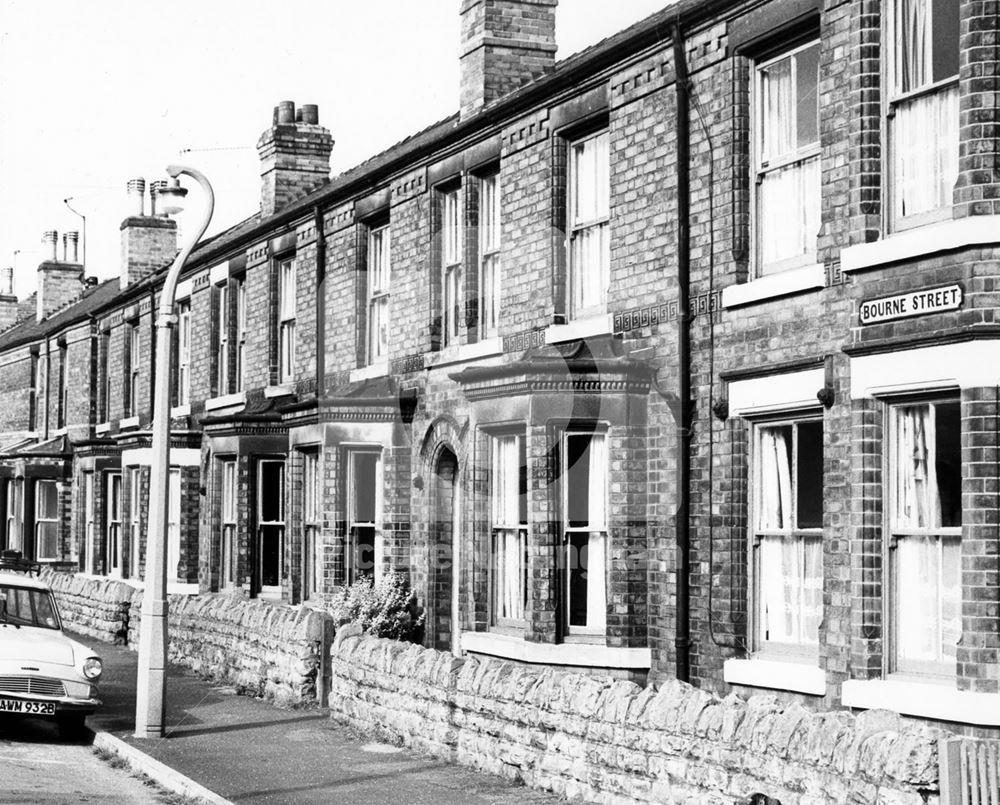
[339, 218]
[525, 133]
[410, 186]
[649, 75]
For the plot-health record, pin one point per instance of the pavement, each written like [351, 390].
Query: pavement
[221, 747]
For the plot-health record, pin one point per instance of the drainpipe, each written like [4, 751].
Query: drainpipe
[682, 637]
[320, 306]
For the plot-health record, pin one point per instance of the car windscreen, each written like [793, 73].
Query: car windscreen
[24, 606]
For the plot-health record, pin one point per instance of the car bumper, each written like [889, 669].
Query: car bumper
[64, 704]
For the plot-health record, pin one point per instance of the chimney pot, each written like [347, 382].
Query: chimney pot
[285, 112]
[7, 282]
[51, 240]
[136, 189]
[154, 189]
[310, 114]
[71, 241]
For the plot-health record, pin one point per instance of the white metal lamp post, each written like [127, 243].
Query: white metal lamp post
[150, 700]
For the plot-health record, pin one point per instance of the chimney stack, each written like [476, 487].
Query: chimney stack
[149, 242]
[504, 45]
[8, 302]
[59, 282]
[294, 156]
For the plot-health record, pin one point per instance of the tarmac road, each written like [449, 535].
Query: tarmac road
[38, 768]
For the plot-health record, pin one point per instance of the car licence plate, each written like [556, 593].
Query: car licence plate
[27, 707]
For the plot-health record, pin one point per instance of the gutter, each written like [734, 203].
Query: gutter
[320, 302]
[682, 636]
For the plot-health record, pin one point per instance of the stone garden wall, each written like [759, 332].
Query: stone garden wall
[614, 742]
[262, 649]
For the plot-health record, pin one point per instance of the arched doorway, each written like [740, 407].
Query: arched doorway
[443, 528]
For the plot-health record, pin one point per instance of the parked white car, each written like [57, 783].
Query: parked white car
[42, 672]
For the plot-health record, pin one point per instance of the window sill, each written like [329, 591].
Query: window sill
[585, 655]
[180, 410]
[909, 697]
[785, 283]
[797, 677]
[465, 353]
[976, 230]
[128, 422]
[226, 401]
[282, 390]
[173, 587]
[104, 427]
[580, 328]
[370, 372]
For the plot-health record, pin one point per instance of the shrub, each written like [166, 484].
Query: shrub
[387, 609]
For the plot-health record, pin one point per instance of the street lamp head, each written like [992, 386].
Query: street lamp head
[170, 198]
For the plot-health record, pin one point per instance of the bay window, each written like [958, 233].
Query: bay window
[786, 160]
[922, 108]
[452, 307]
[135, 513]
[787, 536]
[509, 530]
[312, 558]
[379, 267]
[46, 520]
[286, 321]
[585, 530]
[113, 524]
[925, 535]
[589, 212]
[365, 546]
[489, 255]
[89, 524]
[14, 514]
[228, 546]
[173, 524]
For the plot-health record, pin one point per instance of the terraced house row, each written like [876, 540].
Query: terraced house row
[676, 358]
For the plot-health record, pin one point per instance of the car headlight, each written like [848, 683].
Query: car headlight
[92, 668]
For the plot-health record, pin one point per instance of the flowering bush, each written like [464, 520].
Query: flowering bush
[387, 609]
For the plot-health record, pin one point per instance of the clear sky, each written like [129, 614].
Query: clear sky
[95, 93]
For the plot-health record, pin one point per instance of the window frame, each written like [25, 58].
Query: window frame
[113, 525]
[312, 523]
[183, 388]
[522, 528]
[135, 521]
[240, 324]
[379, 296]
[452, 275]
[489, 253]
[222, 340]
[89, 522]
[39, 520]
[894, 664]
[759, 168]
[285, 318]
[271, 591]
[892, 100]
[575, 228]
[761, 646]
[228, 522]
[104, 377]
[576, 431]
[132, 371]
[351, 572]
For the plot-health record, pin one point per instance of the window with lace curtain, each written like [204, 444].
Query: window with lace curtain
[787, 523]
[589, 213]
[922, 108]
[379, 262]
[585, 535]
[786, 160]
[509, 529]
[452, 302]
[286, 321]
[925, 535]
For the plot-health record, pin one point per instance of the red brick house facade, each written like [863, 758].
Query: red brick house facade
[677, 357]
